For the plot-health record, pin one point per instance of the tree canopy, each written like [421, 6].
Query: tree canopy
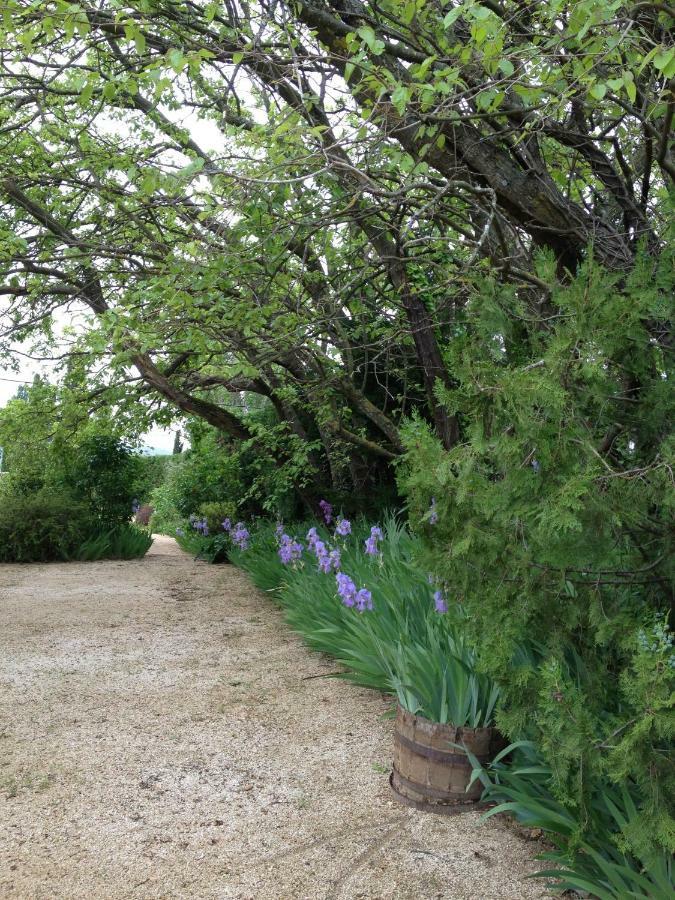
[294, 200]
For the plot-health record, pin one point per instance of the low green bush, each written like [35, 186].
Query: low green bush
[594, 859]
[123, 542]
[164, 500]
[215, 513]
[42, 526]
[211, 548]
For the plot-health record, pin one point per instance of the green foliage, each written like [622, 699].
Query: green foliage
[208, 473]
[402, 647]
[165, 499]
[122, 542]
[217, 479]
[101, 471]
[554, 527]
[150, 474]
[70, 482]
[593, 858]
[213, 548]
[216, 513]
[40, 527]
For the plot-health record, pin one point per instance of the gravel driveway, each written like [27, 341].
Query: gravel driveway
[161, 735]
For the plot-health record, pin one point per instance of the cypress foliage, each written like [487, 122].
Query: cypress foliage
[552, 524]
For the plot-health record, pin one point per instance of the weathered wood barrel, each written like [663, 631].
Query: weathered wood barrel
[429, 772]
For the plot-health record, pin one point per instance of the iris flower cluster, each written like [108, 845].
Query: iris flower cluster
[290, 550]
[360, 599]
[200, 525]
[343, 527]
[326, 511]
[440, 602]
[371, 545]
[240, 536]
[328, 560]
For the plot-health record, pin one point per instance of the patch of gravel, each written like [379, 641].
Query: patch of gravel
[160, 738]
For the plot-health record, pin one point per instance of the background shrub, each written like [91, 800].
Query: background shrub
[47, 525]
[150, 473]
[101, 472]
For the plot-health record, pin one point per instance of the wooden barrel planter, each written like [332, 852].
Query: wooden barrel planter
[432, 774]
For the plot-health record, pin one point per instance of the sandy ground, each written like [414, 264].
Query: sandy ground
[161, 736]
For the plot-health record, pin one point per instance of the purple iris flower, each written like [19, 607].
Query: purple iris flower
[439, 600]
[180, 532]
[240, 536]
[324, 564]
[346, 589]
[279, 531]
[227, 525]
[312, 537]
[364, 600]
[327, 511]
[371, 546]
[319, 548]
[335, 559]
[433, 514]
[343, 527]
[323, 557]
[289, 549]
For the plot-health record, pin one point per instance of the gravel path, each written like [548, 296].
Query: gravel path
[161, 736]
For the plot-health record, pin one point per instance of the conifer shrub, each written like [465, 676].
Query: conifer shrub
[551, 524]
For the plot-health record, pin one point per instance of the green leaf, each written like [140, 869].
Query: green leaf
[452, 16]
[367, 35]
[400, 98]
[87, 92]
[481, 13]
[631, 90]
[176, 60]
[663, 59]
[409, 13]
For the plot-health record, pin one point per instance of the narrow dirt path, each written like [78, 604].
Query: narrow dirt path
[160, 738]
